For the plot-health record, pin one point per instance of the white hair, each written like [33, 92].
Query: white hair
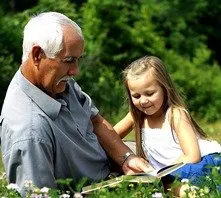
[45, 30]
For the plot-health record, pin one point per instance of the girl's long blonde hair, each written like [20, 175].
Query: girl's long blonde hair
[172, 98]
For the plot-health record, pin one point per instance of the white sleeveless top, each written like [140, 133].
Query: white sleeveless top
[162, 148]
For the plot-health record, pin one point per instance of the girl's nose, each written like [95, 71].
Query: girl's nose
[143, 101]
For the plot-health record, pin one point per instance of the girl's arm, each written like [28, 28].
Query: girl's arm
[187, 137]
[124, 126]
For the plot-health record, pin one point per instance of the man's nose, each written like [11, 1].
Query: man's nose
[74, 70]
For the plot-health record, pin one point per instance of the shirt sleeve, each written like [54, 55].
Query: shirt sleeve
[93, 108]
[30, 158]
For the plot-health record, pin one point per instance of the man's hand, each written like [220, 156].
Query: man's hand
[135, 164]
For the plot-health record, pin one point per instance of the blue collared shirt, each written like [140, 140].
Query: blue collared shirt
[44, 139]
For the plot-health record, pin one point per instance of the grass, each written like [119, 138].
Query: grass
[213, 130]
[155, 189]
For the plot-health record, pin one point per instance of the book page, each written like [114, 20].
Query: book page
[103, 184]
[163, 171]
[152, 173]
[135, 178]
[169, 169]
[111, 183]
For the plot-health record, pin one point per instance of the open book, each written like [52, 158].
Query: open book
[135, 178]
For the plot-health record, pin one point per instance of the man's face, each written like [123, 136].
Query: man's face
[53, 73]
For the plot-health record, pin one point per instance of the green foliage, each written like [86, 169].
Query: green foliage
[176, 21]
[126, 189]
[115, 34]
[107, 31]
[5, 192]
[9, 53]
[118, 33]
[199, 83]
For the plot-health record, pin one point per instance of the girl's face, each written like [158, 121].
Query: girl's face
[146, 94]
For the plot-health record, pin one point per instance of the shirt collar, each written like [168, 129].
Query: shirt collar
[46, 103]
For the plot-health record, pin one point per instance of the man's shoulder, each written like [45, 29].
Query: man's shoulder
[21, 115]
[26, 127]
[16, 103]
[14, 96]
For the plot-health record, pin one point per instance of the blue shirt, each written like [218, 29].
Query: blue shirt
[44, 139]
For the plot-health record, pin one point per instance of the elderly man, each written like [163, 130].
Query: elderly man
[50, 128]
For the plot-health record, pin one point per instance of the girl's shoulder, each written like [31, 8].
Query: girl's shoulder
[176, 114]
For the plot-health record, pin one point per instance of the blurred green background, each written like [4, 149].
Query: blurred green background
[186, 35]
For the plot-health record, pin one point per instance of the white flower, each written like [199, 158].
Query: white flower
[157, 195]
[208, 178]
[28, 184]
[217, 167]
[64, 196]
[185, 180]
[78, 195]
[36, 196]
[12, 186]
[194, 188]
[44, 190]
[206, 189]
[3, 176]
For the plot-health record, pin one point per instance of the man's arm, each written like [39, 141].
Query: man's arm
[116, 149]
[30, 160]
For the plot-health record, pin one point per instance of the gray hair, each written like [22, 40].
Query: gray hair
[46, 31]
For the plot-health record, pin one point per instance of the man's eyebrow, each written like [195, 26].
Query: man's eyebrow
[73, 57]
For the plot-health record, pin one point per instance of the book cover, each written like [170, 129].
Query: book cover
[135, 178]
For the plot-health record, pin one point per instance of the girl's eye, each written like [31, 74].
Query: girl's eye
[149, 93]
[136, 96]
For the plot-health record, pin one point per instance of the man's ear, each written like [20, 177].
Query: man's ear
[37, 54]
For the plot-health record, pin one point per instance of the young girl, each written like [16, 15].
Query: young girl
[165, 131]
